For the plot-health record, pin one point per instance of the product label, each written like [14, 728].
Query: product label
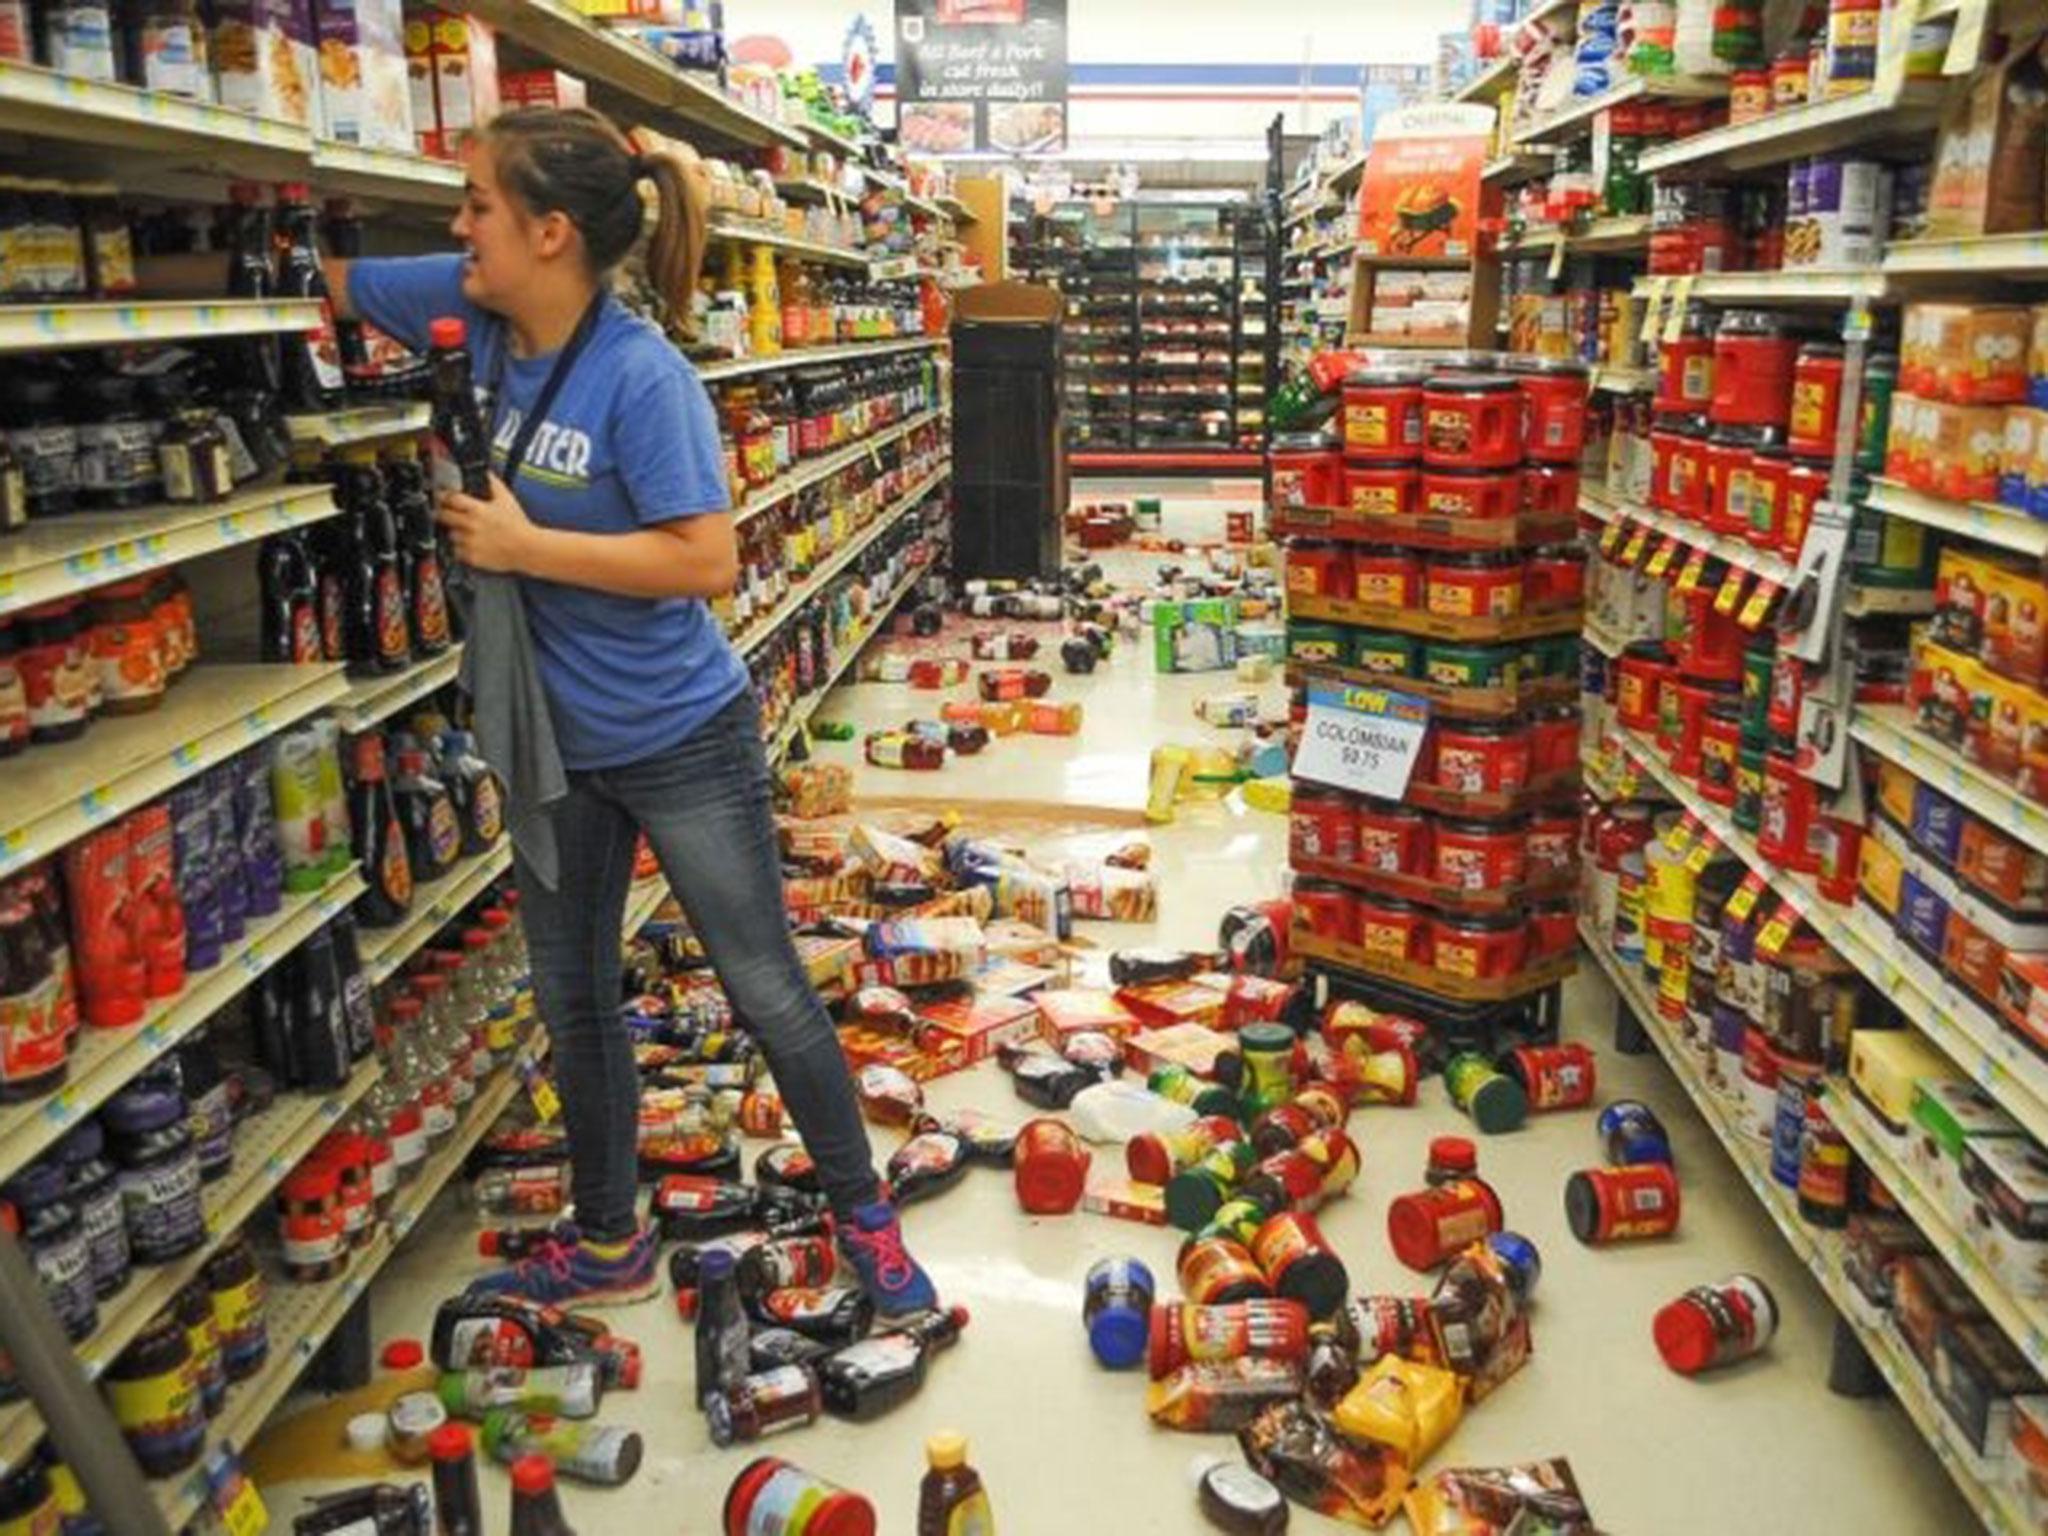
[238, 1312]
[117, 456]
[155, 1404]
[430, 604]
[160, 1204]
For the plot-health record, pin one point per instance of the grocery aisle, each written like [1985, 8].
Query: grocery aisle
[1065, 1445]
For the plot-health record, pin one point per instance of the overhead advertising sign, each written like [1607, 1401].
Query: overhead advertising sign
[981, 74]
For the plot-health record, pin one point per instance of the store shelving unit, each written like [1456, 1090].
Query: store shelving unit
[823, 467]
[1740, 553]
[1792, 133]
[379, 696]
[746, 233]
[91, 323]
[1887, 729]
[802, 712]
[358, 424]
[1574, 120]
[1985, 521]
[1789, 285]
[807, 357]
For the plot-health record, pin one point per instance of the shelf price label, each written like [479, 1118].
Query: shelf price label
[1729, 598]
[1683, 835]
[1703, 852]
[1746, 896]
[1759, 604]
[1776, 931]
[1611, 537]
[1365, 740]
[1638, 538]
[1695, 569]
[1660, 560]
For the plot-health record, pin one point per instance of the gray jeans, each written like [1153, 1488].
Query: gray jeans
[704, 806]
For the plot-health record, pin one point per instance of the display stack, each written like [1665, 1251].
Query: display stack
[1813, 664]
[1422, 585]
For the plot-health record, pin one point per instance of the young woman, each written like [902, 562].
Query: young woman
[616, 524]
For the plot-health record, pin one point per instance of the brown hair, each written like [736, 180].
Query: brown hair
[577, 162]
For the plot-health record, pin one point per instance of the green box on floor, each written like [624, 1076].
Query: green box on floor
[1195, 636]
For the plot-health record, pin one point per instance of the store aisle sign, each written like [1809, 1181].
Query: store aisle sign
[1421, 190]
[981, 74]
[1365, 740]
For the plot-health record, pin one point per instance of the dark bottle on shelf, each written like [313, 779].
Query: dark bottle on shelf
[344, 234]
[478, 795]
[355, 986]
[320, 1041]
[866, 1379]
[536, 1509]
[290, 612]
[380, 844]
[251, 276]
[461, 445]
[433, 832]
[312, 359]
[379, 638]
[721, 1329]
[458, 1506]
[421, 560]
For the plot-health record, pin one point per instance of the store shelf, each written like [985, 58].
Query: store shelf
[1407, 621]
[1522, 166]
[1464, 703]
[804, 709]
[811, 471]
[1736, 552]
[2005, 256]
[434, 902]
[817, 133]
[807, 357]
[1497, 79]
[1794, 133]
[760, 234]
[267, 1147]
[1888, 730]
[1819, 1251]
[60, 556]
[1623, 381]
[836, 562]
[808, 189]
[46, 327]
[679, 102]
[1574, 119]
[1598, 237]
[642, 902]
[57, 793]
[1790, 285]
[380, 696]
[1359, 961]
[358, 424]
[299, 1318]
[390, 174]
[102, 1060]
[952, 206]
[78, 111]
[1985, 521]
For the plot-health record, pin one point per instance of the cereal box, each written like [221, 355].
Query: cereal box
[365, 93]
[263, 55]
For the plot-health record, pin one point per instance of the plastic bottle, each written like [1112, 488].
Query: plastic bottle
[312, 359]
[1235, 1498]
[477, 794]
[837, 1315]
[762, 1402]
[433, 833]
[566, 1391]
[866, 1379]
[721, 1338]
[425, 568]
[951, 1500]
[290, 619]
[606, 1455]
[1116, 1309]
[1116, 1112]
[536, 1510]
[1043, 1078]
[250, 276]
[379, 839]
[460, 446]
[458, 1505]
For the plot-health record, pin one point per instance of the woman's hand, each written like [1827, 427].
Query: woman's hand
[493, 534]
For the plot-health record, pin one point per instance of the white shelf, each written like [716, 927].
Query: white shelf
[1575, 118]
[1522, 166]
[1623, 381]
[808, 189]
[1985, 521]
[1789, 285]
[390, 174]
[836, 562]
[825, 138]
[91, 323]
[1600, 235]
[1737, 552]
[59, 792]
[2007, 256]
[102, 1060]
[377, 697]
[951, 205]
[1793, 133]
[1497, 79]
[813, 470]
[358, 424]
[1888, 730]
[738, 230]
[807, 357]
[434, 902]
[59, 556]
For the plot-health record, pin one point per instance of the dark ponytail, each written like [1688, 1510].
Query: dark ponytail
[576, 162]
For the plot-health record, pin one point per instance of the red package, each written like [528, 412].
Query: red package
[153, 889]
[113, 980]
[1063, 1011]
[1173, 1002]
[1217, 1396]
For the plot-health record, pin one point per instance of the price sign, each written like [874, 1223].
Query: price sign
[1730, 596]
[1776, 932]
[1660, 561]
[1703, 852]
[1655, 307]
[1744, 901]
[1695, 568]
[1637, 540]
[1759, 604]
[1681, 836]
[1556, 257]
[541, 1092]
[1611, 537]
[234, 1496]
[1365, 740]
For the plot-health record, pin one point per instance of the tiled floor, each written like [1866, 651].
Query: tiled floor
[1065, 1446]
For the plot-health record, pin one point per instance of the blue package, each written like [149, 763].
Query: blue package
[1937, 823]
[1923, 916]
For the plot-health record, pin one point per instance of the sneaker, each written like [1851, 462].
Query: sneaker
[873, 1244]
[582, 1273]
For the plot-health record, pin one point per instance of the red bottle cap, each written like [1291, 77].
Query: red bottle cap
[1685, 1336]
[1454, 1152]
[686, 1304]
[403, 1355]
[448, 331]
[294, 192]
[532, 1475]
[451, 1442]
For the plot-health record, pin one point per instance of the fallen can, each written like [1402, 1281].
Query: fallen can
[1260, 1328]
[1553, 1076]
[1716, 1324]
[1428, 1226]
[772, 1497]
[1300, 1264]
[1215, 1270]
[1116, 1307]
[1051, 1166]
[1494, 1100]
[1605, 1205]
[1630, 1132]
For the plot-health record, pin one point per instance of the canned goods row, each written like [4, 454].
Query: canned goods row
[1470, 421]
[1452, 584]
[1386, 838]
[1471, 946]
[1310, 472]
[1491, 758]
[1445, 663]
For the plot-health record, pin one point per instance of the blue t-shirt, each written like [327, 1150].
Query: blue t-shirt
[630, 442]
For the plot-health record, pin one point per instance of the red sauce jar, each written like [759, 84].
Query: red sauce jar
[1816, 399]
[1553, 930]
[1554, 577]
[1479, 946]
[1640, 677]
[1382, 490]
[1386, 577]
[1685, 369]
[1753, 363]
[1391, 929]
[1383, 415]
[1318, 570]
[1307, 471]
[1475, 585]
[1321, 825]
[1549, 845]
[1553, 411]
[1480, 855]
[1770, 473]
[1550, 490]
[1684, 493]
[1720, 750]
[1391, 838]
[1553, 741]
[1806, 485]
[1727, 459]
[1480, 493]
[1471, 421]
[1790, 802]
[1328, 911]
[1481, 757]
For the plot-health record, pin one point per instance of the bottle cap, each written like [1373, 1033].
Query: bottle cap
[532, 1475]
[946, 1450]
[403, 1354]
[366, 1432]
[451, 1442]
[447, 331]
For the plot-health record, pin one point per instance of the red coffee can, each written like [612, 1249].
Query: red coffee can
[1553, 1076]
[1430, 1225]
[1299, 1264]
[1215, 1270]
[1606, 1205]
[1051, 1167]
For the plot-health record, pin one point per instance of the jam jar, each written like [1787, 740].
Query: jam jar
[43, 435]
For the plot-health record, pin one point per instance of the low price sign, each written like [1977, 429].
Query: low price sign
[1365, 740]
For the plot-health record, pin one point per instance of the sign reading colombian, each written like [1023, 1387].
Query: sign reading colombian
[981, 74]
[1365, 740]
